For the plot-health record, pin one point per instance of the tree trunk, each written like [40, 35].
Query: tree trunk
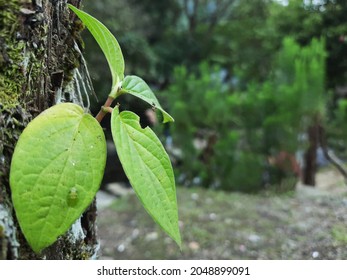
[310, 158]
[317, 138]
[40, 60]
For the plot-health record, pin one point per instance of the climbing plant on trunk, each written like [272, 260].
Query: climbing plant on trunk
[40, 65]
[59, 159]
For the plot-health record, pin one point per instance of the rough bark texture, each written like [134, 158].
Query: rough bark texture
[40, 60]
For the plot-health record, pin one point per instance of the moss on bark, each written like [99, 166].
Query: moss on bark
[11, 58]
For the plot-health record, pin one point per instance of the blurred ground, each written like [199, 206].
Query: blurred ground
[310, 223]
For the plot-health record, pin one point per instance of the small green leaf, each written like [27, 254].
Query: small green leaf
[136, 86]
[108, 45]
[56, 170]
[148, 168]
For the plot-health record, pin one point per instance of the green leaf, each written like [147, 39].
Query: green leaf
[148, 168]
[56, 170]
[108, 45]
[136, 86]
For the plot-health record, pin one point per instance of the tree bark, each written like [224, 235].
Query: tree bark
[310, 158]
[317, 138]
[40, 60]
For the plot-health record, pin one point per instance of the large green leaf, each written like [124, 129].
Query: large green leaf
[56, 170]
[148, 168]
[108, 45]
[136, 86]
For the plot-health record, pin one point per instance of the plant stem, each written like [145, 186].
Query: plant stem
[102, 112]
[107, 109]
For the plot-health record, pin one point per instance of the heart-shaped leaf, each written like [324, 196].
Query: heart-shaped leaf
[108, 44]
[56, 170]
[148, 168]
[136, 86]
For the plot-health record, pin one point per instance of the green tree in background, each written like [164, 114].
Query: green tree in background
[325, 19]
[301, 73]
[243, 140]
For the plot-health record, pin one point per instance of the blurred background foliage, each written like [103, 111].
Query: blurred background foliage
[246, 81]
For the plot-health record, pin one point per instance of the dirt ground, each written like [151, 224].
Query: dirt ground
[310, 223]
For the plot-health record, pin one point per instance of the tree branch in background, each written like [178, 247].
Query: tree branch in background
[221, 13]
[331, 157]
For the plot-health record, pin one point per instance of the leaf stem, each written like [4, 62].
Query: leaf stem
[102, 113]
[107, 109]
